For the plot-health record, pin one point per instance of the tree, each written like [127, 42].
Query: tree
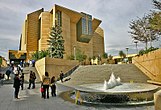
[157, 4]
[40, 54]
[141, 31]
[105, 55]
[155, 17]
[56, 42]
[122, 54]
[80, 56]
[155, 22]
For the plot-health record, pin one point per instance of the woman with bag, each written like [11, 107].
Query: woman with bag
[46, 83]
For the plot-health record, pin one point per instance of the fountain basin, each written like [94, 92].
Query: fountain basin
[124, 94]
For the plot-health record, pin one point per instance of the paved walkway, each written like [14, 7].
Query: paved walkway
[31, 100]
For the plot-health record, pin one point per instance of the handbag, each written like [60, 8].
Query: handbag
[41, 89]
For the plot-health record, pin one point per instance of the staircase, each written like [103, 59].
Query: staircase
[99, 73]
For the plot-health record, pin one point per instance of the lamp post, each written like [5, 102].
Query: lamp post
[136, 46]
[74, 53]
[127, 53]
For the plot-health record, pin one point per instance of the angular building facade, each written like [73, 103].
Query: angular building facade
[79, 30]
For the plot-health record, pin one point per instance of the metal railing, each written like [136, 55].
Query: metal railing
[145, 68]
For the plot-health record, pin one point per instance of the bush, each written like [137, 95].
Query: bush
[141, 52]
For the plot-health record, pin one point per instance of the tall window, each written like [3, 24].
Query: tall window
[86, 24]
[58, 16]
[84, 28]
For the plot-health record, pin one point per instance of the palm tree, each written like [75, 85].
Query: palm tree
[56, 42]
[122, 54]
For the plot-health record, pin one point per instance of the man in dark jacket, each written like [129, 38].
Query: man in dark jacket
[16, 85]
[8, 72]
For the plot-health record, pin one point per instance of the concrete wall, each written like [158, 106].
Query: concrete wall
[54, 66]
[40, 67]
[66, 33]
[150, 64]
[98, 42]
[23, 39]
[45, 27]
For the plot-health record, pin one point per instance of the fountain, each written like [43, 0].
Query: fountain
[113, 92]
[112, 82]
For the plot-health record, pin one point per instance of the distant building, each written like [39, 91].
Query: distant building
[17, 56]
[120, 60]
[3, 62]
[79, 30]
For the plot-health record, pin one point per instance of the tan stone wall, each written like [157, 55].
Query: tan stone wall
[33, 31]
[23, 40]
[4, 62]
[66, 33]
[40, 67]
[98, 42]
[54, 66]
[150, 64]
[45, 19]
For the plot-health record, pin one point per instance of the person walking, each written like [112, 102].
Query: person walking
[32, 80]
[53, 86]
[22, 80]
[61, 76]
[46, 83]
[8, 72]
[16, 85]
[1, 79]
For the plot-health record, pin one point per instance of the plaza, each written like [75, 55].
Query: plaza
[69, 48]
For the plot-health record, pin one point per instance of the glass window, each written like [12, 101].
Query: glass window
[58, 17]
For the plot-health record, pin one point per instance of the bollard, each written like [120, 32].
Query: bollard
[77, 97]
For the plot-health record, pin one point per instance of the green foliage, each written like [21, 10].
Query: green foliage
[71, 57]
[0, 61]
[89, 58]
[40, 54]
[94, 57]
[122, 54]
[141, 52]
[157, 4]
[56, 42]
[155, 22]
[148, 28]
[80, 56]
[105, 55]
[141, 31]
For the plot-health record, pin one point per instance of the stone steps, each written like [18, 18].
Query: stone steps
[99, 73]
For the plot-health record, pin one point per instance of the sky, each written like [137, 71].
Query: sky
[115, 15]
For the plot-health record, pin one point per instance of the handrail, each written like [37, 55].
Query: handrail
[71, 71]
[145, 68]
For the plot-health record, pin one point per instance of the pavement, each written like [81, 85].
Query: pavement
[30, 99]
